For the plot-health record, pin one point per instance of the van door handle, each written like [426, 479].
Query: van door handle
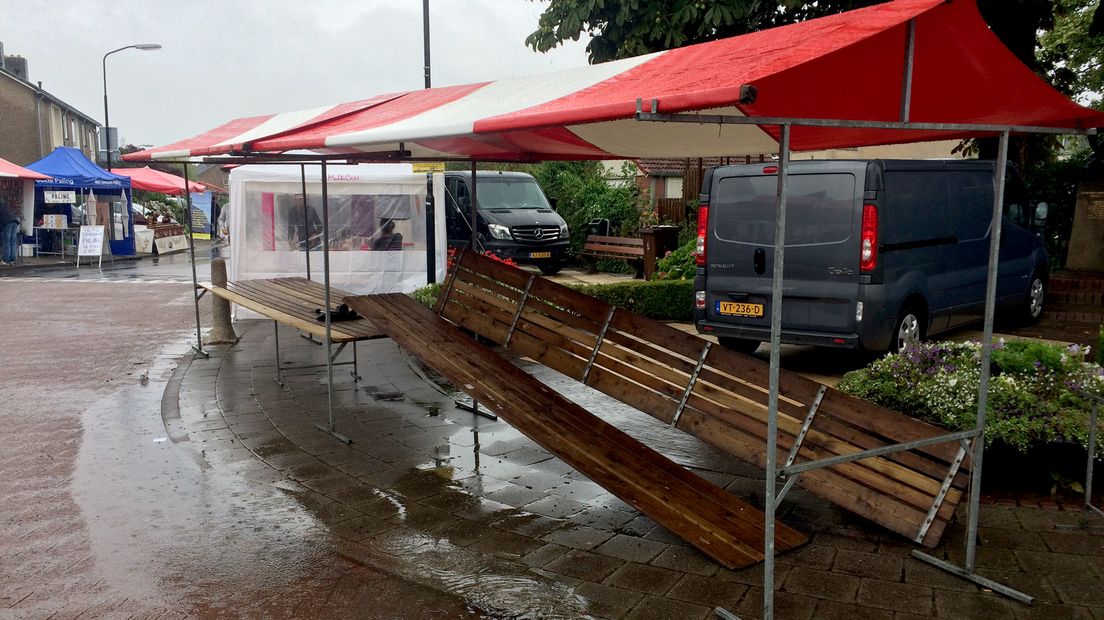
[759, 262]
[738, 296]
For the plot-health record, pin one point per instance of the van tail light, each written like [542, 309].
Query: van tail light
[868, 252]
[703, 222]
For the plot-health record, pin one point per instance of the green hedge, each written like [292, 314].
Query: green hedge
[662, 300]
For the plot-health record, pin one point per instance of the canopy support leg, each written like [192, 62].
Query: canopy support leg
[198, 348]
[967, 572]
[330, 429]
[1088, 511]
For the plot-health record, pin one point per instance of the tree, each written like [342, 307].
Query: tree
[623, 28]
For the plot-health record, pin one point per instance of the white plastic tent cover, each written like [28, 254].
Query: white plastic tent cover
[268, 226]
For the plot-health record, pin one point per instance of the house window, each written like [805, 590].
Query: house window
[674, 188]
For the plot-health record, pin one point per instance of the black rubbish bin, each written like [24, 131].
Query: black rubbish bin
[599, 226]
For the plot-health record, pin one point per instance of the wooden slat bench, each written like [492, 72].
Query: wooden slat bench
[718, 523]
[294, 302]
[628, 249]
[716, 394]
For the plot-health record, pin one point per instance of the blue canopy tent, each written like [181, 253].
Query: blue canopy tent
[69, 169]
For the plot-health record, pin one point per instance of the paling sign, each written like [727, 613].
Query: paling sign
[59, 197]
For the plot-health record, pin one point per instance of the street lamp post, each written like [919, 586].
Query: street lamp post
[107, 122]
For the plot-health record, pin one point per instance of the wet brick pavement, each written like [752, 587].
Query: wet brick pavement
[461, 505]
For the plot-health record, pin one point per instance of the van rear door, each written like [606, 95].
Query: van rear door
[821, 279]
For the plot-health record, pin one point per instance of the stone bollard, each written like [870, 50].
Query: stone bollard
[222, 332]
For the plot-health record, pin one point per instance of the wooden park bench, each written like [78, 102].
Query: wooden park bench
[295, 302]
[711, 392]
[628, 249]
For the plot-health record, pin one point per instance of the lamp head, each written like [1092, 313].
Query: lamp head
[147, 46]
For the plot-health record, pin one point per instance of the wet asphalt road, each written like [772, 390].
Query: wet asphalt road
[102, 516]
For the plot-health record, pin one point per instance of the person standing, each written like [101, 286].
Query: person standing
[9, 234]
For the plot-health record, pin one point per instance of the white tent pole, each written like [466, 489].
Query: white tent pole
[306, 222]
[191, 254]
[332, 427]
[777, 268]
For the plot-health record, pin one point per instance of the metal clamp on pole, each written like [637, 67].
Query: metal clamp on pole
[598, 344]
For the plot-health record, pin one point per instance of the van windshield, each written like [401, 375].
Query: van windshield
[819, 209]
[510, 193]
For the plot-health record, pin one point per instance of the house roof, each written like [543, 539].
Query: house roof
[52, 98]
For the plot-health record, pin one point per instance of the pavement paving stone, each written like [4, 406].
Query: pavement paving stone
[515, 495]
[1053, 564]
[923, 574]
[631, 548]
[485, 511]
[545, 554]
[608, 601]
[864, 564]
[642, 577]
[1085, 589]
[895, 596]
[556, 507]
[585, 565]
[603, 518]
[507, 545]
[687, 560]
[1075, 542]
[1035, 585]
[822, 584]
[786, 605]
[529, 524]
[656, 608]
[1010, 539]
[835, 610]
[578, 536]
[1050, 611]
[950, 603]
[998, 516]
[810, 556]
[709, 592]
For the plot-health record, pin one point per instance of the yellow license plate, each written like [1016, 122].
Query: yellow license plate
[739, 308]
[540, 255]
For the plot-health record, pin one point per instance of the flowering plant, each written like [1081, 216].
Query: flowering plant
[450, 260]
[1036, 389]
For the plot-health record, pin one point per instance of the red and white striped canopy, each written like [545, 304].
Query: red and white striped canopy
[9, 170]
[848, 66]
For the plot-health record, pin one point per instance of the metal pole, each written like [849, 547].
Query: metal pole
[431, 231]
[472, 209]
[425, 38]
[906, 82]
[107, 122]
[191, 254]
[306, 221]
[775, 361]
[332, 428]
[986, 351]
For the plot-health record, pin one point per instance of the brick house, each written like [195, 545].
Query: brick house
[33, 122]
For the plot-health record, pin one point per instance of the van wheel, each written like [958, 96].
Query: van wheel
[1032, 309]
[739, 345]
[908, 331]
[550, 268]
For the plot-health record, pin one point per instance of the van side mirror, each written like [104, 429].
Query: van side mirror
[552, 201]
[1041, 212]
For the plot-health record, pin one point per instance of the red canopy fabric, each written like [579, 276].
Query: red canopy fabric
[9, 170]
[845, 67]
[156, 181]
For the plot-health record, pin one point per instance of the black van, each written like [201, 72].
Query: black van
[514, 220]
[879, 253]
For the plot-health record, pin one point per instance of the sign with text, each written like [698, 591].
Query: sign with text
[55, 197]
[91, 241]
[428, 166]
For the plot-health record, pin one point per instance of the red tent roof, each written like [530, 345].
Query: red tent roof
[848, 66]
[10, 170]
[156, 181]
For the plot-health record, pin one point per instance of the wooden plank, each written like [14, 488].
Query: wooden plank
[494, 270]
[644, 363]
[587, 431]
[853, 496]
[261, 292]
[713, 527]
[615, 240]
[612, 251]
[283, 317]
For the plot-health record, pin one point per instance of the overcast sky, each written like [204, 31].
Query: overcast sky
[225, 59]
